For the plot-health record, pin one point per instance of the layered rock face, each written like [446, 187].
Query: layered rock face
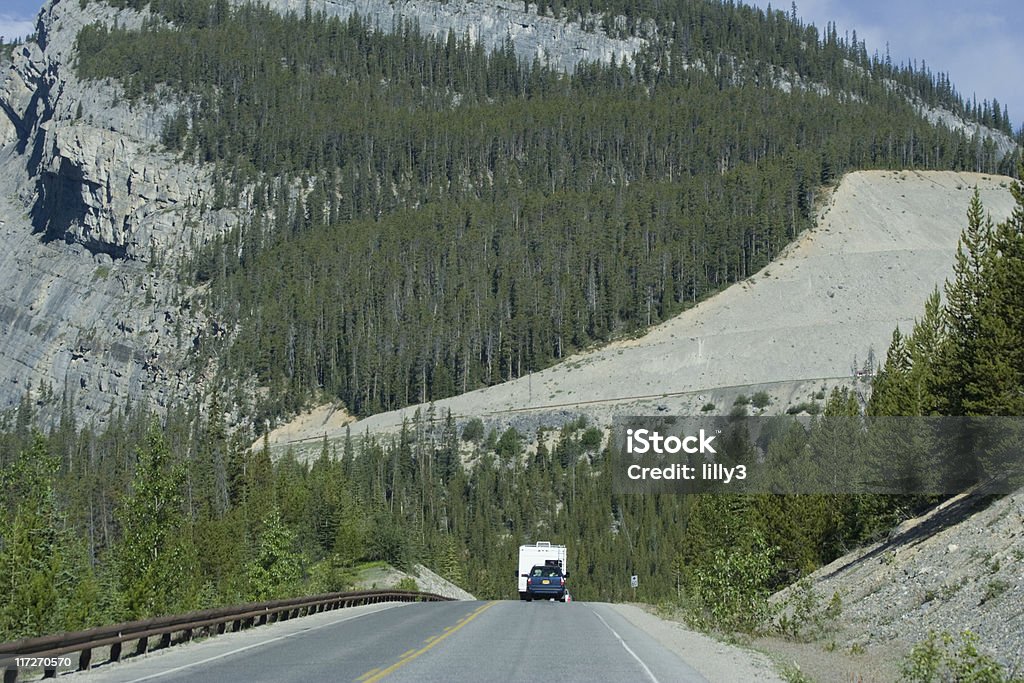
[559, 43]
[94, 218]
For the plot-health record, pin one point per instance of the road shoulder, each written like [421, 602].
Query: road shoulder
[715, 660]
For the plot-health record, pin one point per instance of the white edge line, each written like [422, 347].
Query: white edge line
[259, 644]
[628, 649]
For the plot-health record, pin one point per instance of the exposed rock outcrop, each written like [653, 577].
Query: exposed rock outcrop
[561, 44]
[94, 218]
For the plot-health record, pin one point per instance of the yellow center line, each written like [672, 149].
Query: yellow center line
[375, 675]
[406, 653]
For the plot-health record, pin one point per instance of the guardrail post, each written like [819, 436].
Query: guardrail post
[165, 640]
[85, 659]
[143, 645]
[49, 673]
[115, 652]
[186, 635]
[10, 675]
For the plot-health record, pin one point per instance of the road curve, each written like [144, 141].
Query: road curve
[496, 641]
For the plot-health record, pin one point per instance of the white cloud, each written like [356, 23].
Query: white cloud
[11, 27]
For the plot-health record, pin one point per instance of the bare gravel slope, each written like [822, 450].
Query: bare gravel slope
[884, 241]
[958, 567]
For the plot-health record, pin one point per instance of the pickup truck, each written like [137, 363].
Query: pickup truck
[544, 582]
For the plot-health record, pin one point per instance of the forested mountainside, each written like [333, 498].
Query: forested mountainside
[425, 217]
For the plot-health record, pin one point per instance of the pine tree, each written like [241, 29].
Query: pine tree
[961, 356]
[156, 565]
[47, 584]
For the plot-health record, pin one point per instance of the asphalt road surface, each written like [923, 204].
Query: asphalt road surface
[452, 641]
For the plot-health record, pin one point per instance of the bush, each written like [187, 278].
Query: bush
[708, 407]
[935, 659]
[761, 400]
[407, 584]
[591, 439]
[738, 411]
[731, 592]
[803, 616]
[810, 407]
[474, 430]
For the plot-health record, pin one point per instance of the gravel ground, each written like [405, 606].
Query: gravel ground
[715, 660]
[958, 567]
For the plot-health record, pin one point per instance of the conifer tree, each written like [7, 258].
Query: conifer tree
[962, 356]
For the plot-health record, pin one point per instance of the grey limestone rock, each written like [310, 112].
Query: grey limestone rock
[93, 217]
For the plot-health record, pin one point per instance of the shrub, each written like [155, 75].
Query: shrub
[803, 617]
[407, 583]
[810, 407]
[935, 659]
[474, 430]
[731, 592]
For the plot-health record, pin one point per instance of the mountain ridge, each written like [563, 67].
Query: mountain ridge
[87, 184]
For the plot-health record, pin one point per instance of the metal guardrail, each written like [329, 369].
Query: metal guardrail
[214, 621]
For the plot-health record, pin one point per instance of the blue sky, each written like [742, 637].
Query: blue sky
[974, 40]
[978, 42]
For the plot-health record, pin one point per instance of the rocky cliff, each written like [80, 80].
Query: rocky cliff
[94, 218]
[560, 43]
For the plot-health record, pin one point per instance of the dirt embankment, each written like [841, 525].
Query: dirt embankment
[959, 567]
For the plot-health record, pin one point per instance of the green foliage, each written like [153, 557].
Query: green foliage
[391, 544]
[802, 615]
[474, 430]
[941, 657]
[963, 357]
[791, 673]
[42, 575]
[809, 407]
[429, 218]
[155, 561]
[761, 400]
[276, 567]
[731, 593]
[407, 583]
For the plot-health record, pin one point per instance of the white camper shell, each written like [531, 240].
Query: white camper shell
[539, 553]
